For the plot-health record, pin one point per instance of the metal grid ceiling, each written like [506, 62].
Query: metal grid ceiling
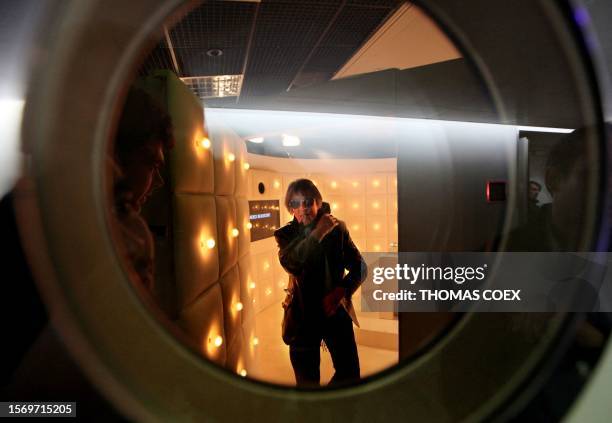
[351, 29]
[217, 25]
[159, 58]
[294, 41]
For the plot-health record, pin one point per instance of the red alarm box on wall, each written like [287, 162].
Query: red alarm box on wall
[496, 191]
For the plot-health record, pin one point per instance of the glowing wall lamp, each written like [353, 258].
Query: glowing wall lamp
[204, 143]
[290, 140]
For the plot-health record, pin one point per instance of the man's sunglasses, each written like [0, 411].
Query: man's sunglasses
[307, 202]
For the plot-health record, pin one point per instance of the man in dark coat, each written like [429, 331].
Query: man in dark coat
[316, 250]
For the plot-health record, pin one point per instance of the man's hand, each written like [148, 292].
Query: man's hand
[332, 300]
[326, 223]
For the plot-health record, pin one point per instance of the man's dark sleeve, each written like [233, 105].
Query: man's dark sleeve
[354, 263]
[296, 251]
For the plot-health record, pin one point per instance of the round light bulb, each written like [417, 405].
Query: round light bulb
[376, 205]
[249, 225]
[239, 306]
[355, 205]
[242, 372]
[334, 184]
[235, 232]
[252, 285]
[255, 341]
[376, 226]
[204, 143]
[376, 183]
[218, 341]
[276, 184]
[246, 166]
[355, 184]
[210, 243]
[231, 157]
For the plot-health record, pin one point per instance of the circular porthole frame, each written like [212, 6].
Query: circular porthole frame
[137, 363]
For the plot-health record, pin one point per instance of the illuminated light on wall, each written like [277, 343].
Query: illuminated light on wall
[255, 341]
[266, 265]
[376, 183]
[355, 205]
[376, 226]
[252, 285]
[243, 372]
[210, 243]
[334, 184]
[256, 140]
[377, 247]
[281, 284]
[268, 291]
[277, 184]
[253, 301]
[355, 184]
[249, 225]
[334, 206]
[204, 143]
[231, 157]
[218, 341]
[359, 124]
[355, 227]
[246, 166]
[235, 232]
[238, 306]
[376, 205]
[290, 141]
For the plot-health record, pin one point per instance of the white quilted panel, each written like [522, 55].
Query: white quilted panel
[243, 224]
[203, 322]
[354, 185]
[225, 162]
[196, 245]
[228, 230]
[376, 183]
[190, 162]
[376, 205]
[247, 291]
[242, 168]
[232, 304]
[355, 205]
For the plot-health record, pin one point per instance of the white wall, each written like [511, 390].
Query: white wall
[443, 168]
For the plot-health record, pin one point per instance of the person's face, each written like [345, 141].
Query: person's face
[304, 208]
[534, 190]
[141, 172]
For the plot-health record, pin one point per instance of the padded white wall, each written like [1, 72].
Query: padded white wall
[211, 246]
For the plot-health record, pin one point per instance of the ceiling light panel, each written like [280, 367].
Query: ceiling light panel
[214, 86]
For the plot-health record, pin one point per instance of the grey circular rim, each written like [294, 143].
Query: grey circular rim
[137, 363]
